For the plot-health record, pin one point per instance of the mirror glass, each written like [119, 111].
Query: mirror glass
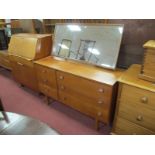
[97, 44]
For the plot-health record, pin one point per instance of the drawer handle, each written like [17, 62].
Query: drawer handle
[62, 87]
[6, 60]
[45, 81]
[144, 99]
[101, 90]
[99, 114]
[20, 64]
[64, 98]
[139, 118]
[100, 102]
[61, 77]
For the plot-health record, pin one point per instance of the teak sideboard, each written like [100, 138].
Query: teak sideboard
[88, 89]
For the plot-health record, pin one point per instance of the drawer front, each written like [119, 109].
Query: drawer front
[83, 86]
[24, 75]
[98, 102]
[46, 76]
[21, 61]
[84, 106]
[48, 91]
[137, 97]
[139, 115]
[5, 62]
[125, 127]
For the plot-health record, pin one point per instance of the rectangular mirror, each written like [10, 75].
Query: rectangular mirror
[97, 44]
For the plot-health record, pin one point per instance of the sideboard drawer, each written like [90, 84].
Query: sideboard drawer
[83, 86]
[49, 91]
[46, 76]
[125, 127]
[85, 106]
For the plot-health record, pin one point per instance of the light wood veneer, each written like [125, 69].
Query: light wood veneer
[135, 112]
[23, 50]
[88, 89]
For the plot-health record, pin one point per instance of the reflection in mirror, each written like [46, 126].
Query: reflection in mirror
[64, 48]
[97, 44]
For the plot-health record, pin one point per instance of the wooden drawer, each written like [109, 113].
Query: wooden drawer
[4, 62]
[83, 86]
[98, 102]
[46, 76]
[137, 114]
[21, 61]
[125, 127]
[137, 97]
[83, 105]
[48, 91]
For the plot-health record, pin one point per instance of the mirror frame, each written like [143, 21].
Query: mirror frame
[88, 24]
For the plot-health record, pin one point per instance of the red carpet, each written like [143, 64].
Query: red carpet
[58, 116]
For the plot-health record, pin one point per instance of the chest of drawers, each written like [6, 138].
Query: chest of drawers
[88, 89]
[135, 112]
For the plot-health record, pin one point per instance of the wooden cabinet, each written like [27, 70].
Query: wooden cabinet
[135, 112]
[88, 89]
[23, 50]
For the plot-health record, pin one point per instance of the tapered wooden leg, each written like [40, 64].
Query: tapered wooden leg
[21, 85]
[47, 100]
[96, 124]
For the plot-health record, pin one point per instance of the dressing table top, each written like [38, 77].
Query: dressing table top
[87, 71]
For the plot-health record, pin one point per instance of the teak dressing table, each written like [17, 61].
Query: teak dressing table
[89, 89]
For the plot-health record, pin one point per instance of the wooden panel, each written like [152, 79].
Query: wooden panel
[22, 46]
[131, 77]
[137, 97]
[30, 46]
[84, 106]
[24, 74]
[148, 69]
[136, 33]
[47, 90]
[125, 127]
[82, 86]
